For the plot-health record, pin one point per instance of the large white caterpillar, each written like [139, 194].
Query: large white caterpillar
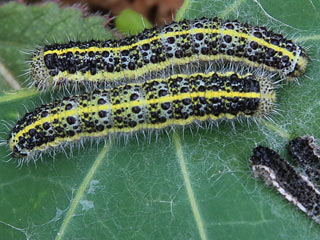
[157, 49]
[155, 104]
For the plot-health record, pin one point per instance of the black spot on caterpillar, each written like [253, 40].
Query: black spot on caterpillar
[295, 187]
[154, 104]
[157, 49]
[306, 153]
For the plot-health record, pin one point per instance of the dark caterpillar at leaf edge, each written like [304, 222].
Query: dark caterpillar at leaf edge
[280, 174]
[305, 152]
[155, 104]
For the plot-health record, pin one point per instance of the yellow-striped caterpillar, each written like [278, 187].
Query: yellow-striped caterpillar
[157, 49]
[154, 104]
[297, 188]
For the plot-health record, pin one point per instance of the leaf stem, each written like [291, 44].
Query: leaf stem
[16, 95]
[182, 10]
[80, 192]
[276, 129]
[8, 77]
[191, 197]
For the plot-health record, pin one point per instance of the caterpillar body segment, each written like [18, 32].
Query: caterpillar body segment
[155, 104]
[160, 49]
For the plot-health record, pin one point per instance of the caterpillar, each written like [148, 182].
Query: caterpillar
[306, 154]
[154, 50]
[155, 104]
[294, 186]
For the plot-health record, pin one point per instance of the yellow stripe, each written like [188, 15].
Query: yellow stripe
[72, 112]
[154, 67]
[170, 122]
[230, 32]
[128, 73]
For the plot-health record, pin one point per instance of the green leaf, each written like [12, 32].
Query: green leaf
[129, 22]
[194, 184]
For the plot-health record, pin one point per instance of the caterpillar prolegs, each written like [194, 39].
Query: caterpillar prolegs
[154, 104]
[158, 49]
